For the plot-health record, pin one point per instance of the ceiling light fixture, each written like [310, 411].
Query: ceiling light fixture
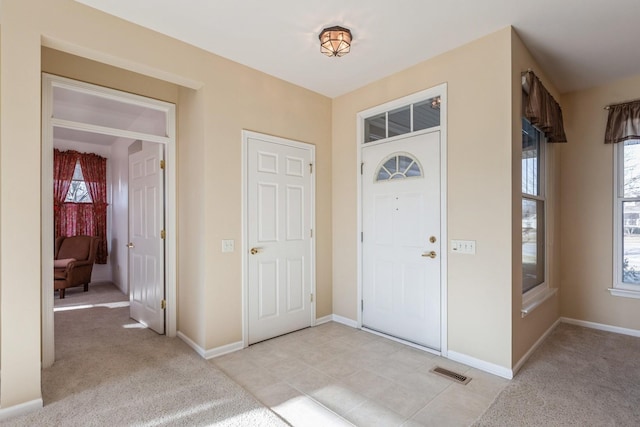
[335, 41]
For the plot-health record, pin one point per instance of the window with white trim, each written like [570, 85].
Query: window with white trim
[627, 215]
[533, 208]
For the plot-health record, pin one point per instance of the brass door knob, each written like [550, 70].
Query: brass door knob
[431, 254]
[255, 250]
[130, 245]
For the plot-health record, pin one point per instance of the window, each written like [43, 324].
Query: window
[533, 207]
[409, 118]
[398, 166]
[627, 216]
[78, 192]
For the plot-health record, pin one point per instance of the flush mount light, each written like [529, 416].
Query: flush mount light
[335, 41]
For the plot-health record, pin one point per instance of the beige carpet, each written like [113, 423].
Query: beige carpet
[111, 372]
[578, 377]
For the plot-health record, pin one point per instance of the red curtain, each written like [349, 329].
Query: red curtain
[76, 219]
[64, 163]
[94, 170]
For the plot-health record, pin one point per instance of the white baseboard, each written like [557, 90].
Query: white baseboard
[601, 326]
[325, 319]
[533, 348]
[21, 409]
[212, 352]
[344, 321]
[491, 368]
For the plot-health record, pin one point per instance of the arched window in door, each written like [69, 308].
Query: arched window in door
[398, 166]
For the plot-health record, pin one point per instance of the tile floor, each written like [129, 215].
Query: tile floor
[334, 375]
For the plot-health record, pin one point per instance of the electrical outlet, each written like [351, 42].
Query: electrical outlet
[228, 246]
[463, 246]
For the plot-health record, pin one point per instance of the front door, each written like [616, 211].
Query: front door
[279, 221]
[146, 240]
[401, 239]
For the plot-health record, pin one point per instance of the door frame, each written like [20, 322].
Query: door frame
[49, 81]
[246, 134]
[441, 91]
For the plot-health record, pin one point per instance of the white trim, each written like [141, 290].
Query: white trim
[489, 367]
[624, 293]
[540, 293]
[439, 90]
[534, 347]
[323, 320]
[617, 212]
[620, 288]
[344, 321]
[47, 224]
[104, 130]
[50, 81]
[212, 352]
[20, 409]
[540, 297]
[246, 134]
[601, 327]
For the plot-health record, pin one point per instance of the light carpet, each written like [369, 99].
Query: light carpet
[578, 377]
[111, 371]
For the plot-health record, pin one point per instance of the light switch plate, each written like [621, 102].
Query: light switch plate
[228, 246]
[463, 247]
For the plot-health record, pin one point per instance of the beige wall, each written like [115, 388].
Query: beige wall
[587, 209]
[479, 190]
[220, 98]
[526, 331]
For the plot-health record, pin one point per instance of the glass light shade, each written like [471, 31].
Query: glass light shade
[335, 41]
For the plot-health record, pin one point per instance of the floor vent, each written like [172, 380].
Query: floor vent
[459, 378]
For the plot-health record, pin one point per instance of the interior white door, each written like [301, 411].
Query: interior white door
[146, 243]
[279, 204]
[401, 239]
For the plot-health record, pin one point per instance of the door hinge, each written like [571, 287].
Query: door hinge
[311, 297]
[163, 234]
[163, 304]
[310, 167]
[362, 236]
[311, 233]
[162, 164]
[362, 168]
[361, 305]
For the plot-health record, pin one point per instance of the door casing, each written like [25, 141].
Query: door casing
[48, 82]
[441, 91]
[246, 135]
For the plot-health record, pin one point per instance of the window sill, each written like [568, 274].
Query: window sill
[617, 292]
[535, 302]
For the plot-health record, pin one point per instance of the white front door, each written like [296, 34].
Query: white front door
[401, 239]
[146, 243]
[279, 227]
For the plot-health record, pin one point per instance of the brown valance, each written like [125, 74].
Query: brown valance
[542, 110]
[623, 122]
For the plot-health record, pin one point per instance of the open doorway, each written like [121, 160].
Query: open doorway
[115, 125]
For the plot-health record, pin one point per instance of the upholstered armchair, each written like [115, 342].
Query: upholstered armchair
[73, 262]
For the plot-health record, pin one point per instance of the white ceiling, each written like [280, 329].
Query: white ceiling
[579, 43]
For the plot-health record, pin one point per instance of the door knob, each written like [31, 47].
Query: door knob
[431, 254]
[130, 245]
[255, 250]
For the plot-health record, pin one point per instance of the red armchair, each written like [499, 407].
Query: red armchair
[73, 262]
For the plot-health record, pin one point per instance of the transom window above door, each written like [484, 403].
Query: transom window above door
[398, 166]
[410, 118]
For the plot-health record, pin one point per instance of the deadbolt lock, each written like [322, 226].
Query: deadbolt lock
[431, 254]
[432, 239]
